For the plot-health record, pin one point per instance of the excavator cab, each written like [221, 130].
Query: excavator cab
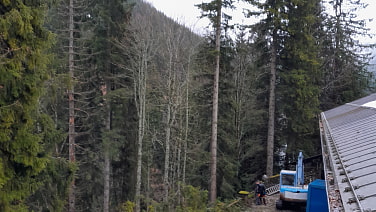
[292, 189]
[287, 178]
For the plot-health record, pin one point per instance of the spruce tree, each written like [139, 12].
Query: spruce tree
[213, 10]
[23, 69]
[56, 177]
[289, 34]
[250, 78]
[110, 18]
[300, 74]
[269, 36]
[345, 76]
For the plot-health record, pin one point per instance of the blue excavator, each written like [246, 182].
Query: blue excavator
[292, 189]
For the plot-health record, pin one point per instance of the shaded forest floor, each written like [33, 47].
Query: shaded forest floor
[270, 206]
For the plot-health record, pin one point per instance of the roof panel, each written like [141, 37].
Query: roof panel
[365, 100]
[352, 131]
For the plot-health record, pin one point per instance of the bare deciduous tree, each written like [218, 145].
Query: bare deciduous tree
[141, 47]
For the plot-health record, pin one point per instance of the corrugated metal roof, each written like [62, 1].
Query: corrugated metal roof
[349, 134]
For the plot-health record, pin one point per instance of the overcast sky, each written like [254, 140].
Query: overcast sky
[186, 13]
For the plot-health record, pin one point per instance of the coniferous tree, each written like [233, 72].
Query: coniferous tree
[249, 112]
[55, 179]
[345, 76]
[227, 166]
[23, 69]
[141, 100]
[269, 34]
[68, 20]
[110, 21]
[93, 35]
[227, 145]
[300, 73]
[71, 105]
[213, 11]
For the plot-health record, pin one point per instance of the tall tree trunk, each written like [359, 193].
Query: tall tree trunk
[106, 189]
[143, 49]
[71, 130]
[213, 149]
[167, 153]
[140, 98]
[149, 170]
[271, 121]
[107, 162]
[178, 162]
[185, 145]
[170, 115]
[139, 166]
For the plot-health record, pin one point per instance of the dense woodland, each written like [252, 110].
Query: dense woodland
[112, 106]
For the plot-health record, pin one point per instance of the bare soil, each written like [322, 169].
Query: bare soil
[270, 206]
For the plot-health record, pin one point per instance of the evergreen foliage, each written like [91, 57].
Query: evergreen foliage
[23, 69]
[344, 72]
[300, 73]
[249, 112]
[55, 179]
[194, 199]
[143, 100]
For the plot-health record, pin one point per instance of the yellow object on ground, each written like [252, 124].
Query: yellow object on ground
[244, 192]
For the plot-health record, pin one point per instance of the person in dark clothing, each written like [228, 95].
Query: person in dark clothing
[260, 193]
[257, 194]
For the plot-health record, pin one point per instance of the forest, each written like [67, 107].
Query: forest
[112, 106]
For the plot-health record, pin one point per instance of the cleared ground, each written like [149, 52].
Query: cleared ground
[270, 206]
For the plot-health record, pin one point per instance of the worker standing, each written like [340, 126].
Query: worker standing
[260, 193]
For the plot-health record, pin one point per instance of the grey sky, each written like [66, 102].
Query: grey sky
[186, 13]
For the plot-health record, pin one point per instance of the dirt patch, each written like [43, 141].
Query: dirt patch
[270, 206]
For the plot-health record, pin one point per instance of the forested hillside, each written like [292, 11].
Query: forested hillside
[112, 106]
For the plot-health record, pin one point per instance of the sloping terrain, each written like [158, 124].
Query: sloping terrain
[270, 206]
